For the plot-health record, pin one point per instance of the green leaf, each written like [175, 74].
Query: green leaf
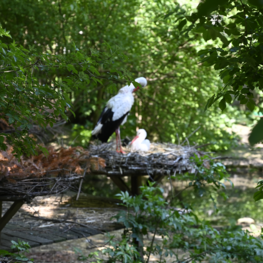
[222, 63]
[181, 24]
[206, 35]
[210, 102]
[261, 83]
[70, 67]
[228, 98]
[251, 105]
[258, 195]
[258, 3]
[256, 134]
[222, 104]
[208, 6]
[4, 252]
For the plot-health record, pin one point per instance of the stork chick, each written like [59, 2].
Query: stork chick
[115, 114]
[139, 143]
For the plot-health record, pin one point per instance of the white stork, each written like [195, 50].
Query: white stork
[139, 143]
[115, 114]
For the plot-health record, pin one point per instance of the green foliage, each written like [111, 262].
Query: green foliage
[80, 135]
[82, 257]
[258, 195]
[24, 101]
[181, 234]
[256, 135]
[235, 27]
[122, 251]
[208, 178]
[22, 247]
[28, 98]
[149, 213]
[124, 40]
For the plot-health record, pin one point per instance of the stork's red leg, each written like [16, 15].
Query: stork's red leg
[121, 151]
[118, 141]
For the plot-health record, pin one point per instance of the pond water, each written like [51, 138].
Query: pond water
[240, 202]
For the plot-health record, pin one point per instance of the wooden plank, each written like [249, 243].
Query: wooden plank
[23, 224]
[49, 234]
[3, 244]
[5, 248]
[10, 213]
[77, 232]
[84, 232]
[36, 232]
[21, 235]
[55, 230]
[59, 232]
[16, 227]
[6, 240]
[88, 230]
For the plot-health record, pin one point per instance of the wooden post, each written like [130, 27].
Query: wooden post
[136, 182]
[10, 213]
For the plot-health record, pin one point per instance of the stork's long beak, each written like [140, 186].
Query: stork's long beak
[134, 139]
[135, 89]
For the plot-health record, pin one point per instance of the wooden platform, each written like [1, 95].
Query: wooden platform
[62, 223]
[42, 236]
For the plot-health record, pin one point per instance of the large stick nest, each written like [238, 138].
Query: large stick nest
[43, 174]
[162, 159]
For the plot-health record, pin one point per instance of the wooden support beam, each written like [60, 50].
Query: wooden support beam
[120, 183]
[10, 213]
[136, 182]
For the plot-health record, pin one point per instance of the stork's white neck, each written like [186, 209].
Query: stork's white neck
[131, 87]
[141, 138]
[127, 89]
[141, 135]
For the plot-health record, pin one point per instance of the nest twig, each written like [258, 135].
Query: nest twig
[42, 174]
[162, 159]
[32, 187]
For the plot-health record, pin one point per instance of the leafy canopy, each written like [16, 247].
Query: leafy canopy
[28, 99]
[237, 28]
[127, 40]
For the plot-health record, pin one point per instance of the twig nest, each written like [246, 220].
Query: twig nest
[162, 158]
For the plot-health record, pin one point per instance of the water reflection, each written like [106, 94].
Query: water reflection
[240, 202]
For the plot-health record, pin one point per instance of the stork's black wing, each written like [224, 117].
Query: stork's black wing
[108, 125]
